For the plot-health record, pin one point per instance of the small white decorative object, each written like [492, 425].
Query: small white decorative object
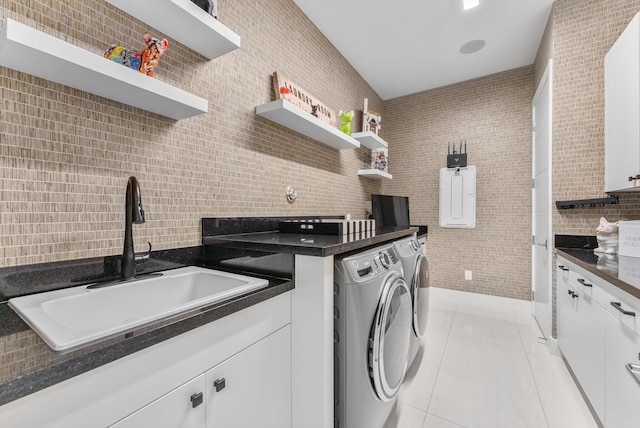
[607, 236]
[370, 119]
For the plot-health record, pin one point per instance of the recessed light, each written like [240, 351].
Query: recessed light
[469, 4]
[472, 47]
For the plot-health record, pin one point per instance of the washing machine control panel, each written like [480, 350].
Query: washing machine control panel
[373, 263]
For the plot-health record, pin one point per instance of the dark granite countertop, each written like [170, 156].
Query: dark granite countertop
[309, 244]
[621, 271]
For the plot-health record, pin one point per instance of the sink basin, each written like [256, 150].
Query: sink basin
[74, 317]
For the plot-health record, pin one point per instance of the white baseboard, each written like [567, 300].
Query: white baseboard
[444, 295]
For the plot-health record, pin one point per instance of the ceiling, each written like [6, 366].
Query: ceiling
[402, 47]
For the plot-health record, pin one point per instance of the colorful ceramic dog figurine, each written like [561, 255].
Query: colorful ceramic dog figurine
[145, 61]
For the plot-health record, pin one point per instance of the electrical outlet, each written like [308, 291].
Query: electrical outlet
[468, 275]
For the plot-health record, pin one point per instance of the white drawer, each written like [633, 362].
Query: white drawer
[605, 294]
[623, 307]
[622, 376]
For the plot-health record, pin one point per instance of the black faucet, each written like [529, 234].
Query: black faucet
[133, 214]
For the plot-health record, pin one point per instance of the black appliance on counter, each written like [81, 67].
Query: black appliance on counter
[390, 210]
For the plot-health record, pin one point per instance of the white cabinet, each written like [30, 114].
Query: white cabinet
[252, 388]
[567, 314]
[623, 376]
[180, 408]
[600, 342]
[622, 111]
[581, 337]
[154, 385]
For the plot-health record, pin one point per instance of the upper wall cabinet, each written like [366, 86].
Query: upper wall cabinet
[622, 112]
[33, 52]
[184, 22]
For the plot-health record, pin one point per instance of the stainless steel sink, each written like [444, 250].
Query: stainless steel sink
[74, 317]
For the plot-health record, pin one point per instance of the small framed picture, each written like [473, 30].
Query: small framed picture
[209, 6]
[380, 159]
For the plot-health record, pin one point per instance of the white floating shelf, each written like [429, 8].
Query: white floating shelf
[33, 52]
[292, 117]
[370, 140]
[375, 174]
[184, 22]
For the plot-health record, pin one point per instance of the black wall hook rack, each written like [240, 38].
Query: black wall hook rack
[586, 203]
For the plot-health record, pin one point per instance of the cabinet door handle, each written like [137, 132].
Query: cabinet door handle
[564, 268]
[634, 371]
[572, 294]
[196, 399]
[583, 282]
[618, 306]
[219, 384]
[637, 177]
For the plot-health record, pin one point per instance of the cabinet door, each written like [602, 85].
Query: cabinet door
[622, 111]
[181, 408]
[581, 337]
[622, 383]
[588, 364]
[252, 388]
[567, 316]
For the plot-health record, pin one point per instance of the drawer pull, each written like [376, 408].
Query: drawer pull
[634, 371]
[219, 384]
[196, 400]
[573, 294]
[564, 268]
[618, 306]
[583, 282]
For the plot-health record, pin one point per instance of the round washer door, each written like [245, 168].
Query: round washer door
[420, 295]
[390, 336]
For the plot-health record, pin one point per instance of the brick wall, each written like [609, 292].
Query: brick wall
[493, 114]
[65, 155]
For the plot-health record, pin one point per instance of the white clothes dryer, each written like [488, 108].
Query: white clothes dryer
[416, 271]
[372, 321]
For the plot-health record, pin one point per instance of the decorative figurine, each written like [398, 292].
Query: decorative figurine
[607, 237]
[370, 119]
[145, 61]
[345, 121]
[209, 6]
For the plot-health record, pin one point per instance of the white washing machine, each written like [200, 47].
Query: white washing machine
[372, 322]
[416, 272]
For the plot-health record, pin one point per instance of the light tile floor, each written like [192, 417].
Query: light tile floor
[483, 365]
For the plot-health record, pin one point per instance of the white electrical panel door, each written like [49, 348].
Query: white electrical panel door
[458, 197]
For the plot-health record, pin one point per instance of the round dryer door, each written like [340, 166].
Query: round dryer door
[390, 336]
[420, 295]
